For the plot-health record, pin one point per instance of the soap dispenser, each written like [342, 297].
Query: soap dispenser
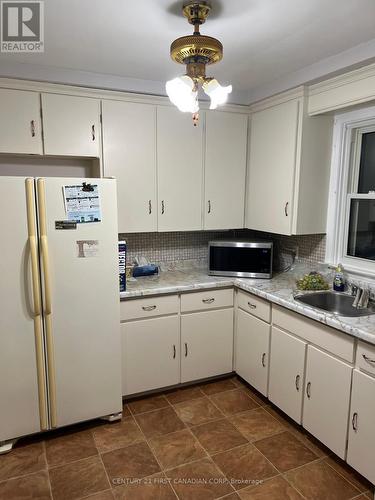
[339, 279]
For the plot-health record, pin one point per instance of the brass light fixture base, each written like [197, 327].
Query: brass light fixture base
[209, 49]
[196, 11]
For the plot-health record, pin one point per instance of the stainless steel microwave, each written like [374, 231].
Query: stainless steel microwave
[244, 259]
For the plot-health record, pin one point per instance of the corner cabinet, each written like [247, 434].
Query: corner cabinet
[289, 164]
[252, 341]
[129, 155]
[20, 123]
[71, 125]
[180, 170]
[225, 170]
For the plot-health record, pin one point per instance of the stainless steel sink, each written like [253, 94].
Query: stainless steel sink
[336, 303]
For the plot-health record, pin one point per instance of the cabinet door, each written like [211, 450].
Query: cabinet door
[287, 367]
[361, 446]
[272, 162]
[252, 350]
[129, 155]
[20, 125]
[206, 344]
[326, 402]
[180, 174]
[225, 170]
[150, 354]
[71, 125]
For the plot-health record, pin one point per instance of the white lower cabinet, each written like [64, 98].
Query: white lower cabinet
[327, 396]
[287, 368]
[252, 350]
[206, 344]
[150, 354]
[361, 445]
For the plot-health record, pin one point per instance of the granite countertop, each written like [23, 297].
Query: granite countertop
[278, 290]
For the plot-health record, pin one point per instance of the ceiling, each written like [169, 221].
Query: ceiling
[269, 45]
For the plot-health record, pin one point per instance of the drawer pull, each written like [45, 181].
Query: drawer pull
[208, 301]
[308, 390]
[209, 207]
[355, 422]
[149, 207]
[252, 306]
[148, 308]
[162, 207]
[369, 360]
[93, 132]
[186, 350]
[286, 208]
[264, 360]
[298, 378]
[174, 351]
[32, 128]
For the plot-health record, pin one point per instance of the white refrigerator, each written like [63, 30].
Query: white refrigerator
[59, 322]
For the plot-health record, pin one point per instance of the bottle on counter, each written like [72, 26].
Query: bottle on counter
[339, 279]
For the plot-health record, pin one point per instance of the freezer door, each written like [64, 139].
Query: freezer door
[81, 304]
[23, 407]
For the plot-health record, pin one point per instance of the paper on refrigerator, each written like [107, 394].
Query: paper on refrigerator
[82, 203]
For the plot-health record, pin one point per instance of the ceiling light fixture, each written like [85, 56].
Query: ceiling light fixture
[196, 51]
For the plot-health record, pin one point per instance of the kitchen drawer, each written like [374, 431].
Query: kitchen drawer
[366, 357]
[202, 301]
[256, 306]
[148, 307]
[331, 340]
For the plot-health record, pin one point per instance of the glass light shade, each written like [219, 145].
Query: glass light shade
[181, 93]
[216, 92]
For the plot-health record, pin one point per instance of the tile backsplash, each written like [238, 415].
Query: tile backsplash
[177, 246]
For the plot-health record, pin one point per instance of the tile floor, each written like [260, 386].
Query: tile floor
[210, 441]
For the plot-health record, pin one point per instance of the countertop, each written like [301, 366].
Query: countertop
[278, 290]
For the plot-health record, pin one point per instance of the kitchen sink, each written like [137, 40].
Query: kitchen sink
[336, 303]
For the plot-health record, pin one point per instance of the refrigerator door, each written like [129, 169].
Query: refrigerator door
[81, 304]
[23, 408]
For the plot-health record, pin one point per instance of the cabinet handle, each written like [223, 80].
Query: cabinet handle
[252, 306]
[93, 132]
[298, 378]
[308, 390]
[186, 350]
[162, 207]
[174, 351]
[366, 358]
[209, 206]
[32, 128]
[286, 208]
[148, 308]
[149, 207]
[355, 422]
[208, 301]
[264, 360]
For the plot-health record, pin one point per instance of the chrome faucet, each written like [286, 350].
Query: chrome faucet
[361, 296]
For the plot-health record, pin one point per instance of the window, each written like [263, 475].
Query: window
[351, 218]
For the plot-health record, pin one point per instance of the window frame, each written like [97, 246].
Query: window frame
[346, 153]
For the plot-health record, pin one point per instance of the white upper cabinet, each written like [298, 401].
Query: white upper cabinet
[289, 162]
[20, 125]
[71, 125]
[179, 163]
[225, 170]
[129, 155]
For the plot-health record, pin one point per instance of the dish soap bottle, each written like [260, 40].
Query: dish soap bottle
[339, 280]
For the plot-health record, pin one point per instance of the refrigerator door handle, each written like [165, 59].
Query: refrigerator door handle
[41, 373]
[47, 301]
